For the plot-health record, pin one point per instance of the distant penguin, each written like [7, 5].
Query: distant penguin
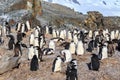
[52, 44]
[116, 34]
[69, 35]
[72, 47]
[8, 28]
[31, 39]
[62, 35]
[75, 38]
[36, 33]
[110, 47]
[71, 72]
[18, 26]
[90, 46]
[67, 55]
[90, 34]
[48, 51]
[30, 52]
[65, 33]
[23, 28]
[34, 65]
[42, 41]
[46, 30]
[57, 64]
[54, 33]
[80, 48]
[28, 25]
[112, 36]
[11, 42]
[96, 33]
[103, 52]
[50, 29]
[95, 63]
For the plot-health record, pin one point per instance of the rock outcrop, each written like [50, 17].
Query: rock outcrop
[94, 20]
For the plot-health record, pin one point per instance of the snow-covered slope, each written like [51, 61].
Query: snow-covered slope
[106, 7]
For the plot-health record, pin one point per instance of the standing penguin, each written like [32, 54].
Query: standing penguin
[72, 47]
[11, 42]
[90, 46]
[18, 26]
[34, 65]
[71, 72]
[67, 55]
[54, 33]
[95, 63]
[80, 48]
[56, 67]
[103, 52]
[69, 35]
[28, 25]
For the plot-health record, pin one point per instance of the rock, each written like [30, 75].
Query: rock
[8, 63]
[94, 20]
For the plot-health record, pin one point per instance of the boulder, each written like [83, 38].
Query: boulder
[8, 63]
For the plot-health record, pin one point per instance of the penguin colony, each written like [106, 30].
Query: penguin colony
[72, 41]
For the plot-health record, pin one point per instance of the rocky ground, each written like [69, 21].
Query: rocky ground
[109, 68]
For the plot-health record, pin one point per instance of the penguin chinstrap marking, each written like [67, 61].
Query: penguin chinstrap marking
[34, 65]
[67, 55]
[71, 72]
[103, 52]
[57, 64]
[95, 63]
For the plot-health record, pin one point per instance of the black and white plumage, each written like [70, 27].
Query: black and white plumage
[38, 52]
[67, 55]
[34, 65]
[90, 46]
[48, 51]
[28, 25]
[57, 64]
[18, 27]
[71, 72]
[103, 52]
[95, 63]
